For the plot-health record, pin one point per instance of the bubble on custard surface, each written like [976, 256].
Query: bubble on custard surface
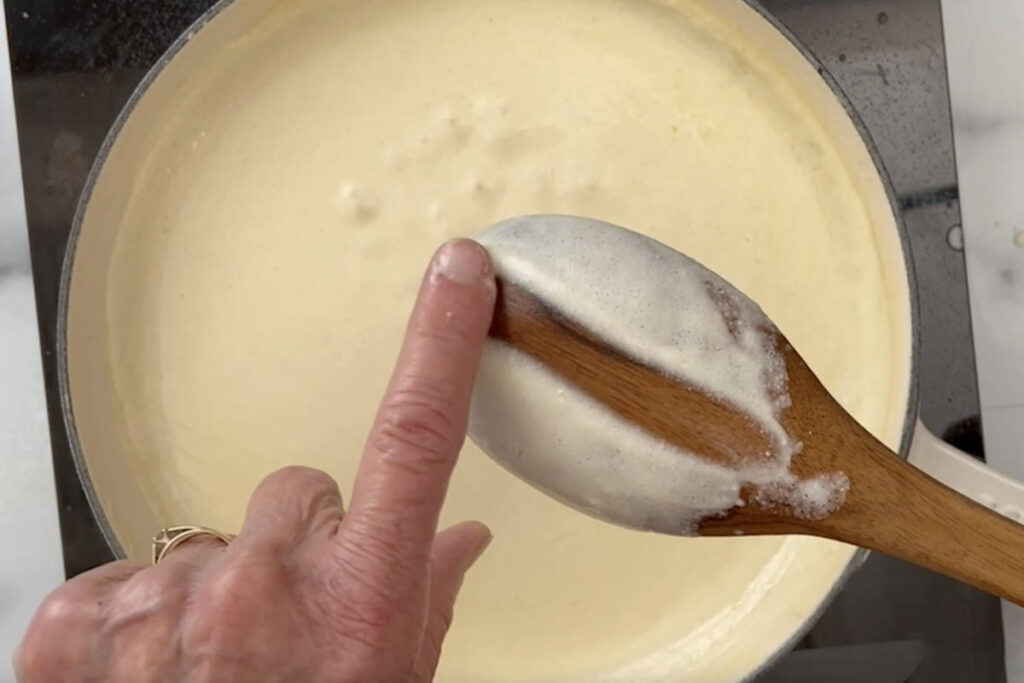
[356, 202]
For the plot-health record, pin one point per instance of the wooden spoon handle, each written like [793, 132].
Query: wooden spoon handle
[895, 508]
[907, 514]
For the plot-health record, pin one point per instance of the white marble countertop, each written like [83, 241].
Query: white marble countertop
[985, 62]
[30, 562]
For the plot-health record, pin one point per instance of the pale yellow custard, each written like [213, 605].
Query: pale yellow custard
[272, 246]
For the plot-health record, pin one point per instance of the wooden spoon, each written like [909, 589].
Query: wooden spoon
[890, 507]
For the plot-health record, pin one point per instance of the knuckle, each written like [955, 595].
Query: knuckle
[62, 608]
[417, 429]
[237, 600]
[297, 478]
[310, 497]
[44, 647]
[149, 590]
[251, 573]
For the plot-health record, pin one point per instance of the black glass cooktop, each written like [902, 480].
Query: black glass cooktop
[76, 62]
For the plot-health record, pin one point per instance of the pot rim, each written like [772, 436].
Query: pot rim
[911, 412]
[63, 375]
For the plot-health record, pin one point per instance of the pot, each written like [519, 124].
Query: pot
[735, 642]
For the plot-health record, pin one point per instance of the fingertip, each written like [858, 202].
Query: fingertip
[463, 544]
[463, 261]
[482, 537]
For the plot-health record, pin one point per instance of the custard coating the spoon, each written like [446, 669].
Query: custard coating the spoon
[663, 310]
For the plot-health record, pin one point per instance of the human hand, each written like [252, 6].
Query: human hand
[307, 592]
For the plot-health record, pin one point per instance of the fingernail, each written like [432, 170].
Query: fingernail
[463, 261]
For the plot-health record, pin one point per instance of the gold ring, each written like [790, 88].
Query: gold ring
[170, 538]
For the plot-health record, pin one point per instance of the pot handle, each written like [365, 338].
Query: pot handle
[959, 471]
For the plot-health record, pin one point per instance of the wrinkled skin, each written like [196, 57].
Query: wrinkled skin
[308, 592]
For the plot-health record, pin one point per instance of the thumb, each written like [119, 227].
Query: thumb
[453, 553]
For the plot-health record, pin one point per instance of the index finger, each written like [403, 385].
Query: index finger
[421, 424]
